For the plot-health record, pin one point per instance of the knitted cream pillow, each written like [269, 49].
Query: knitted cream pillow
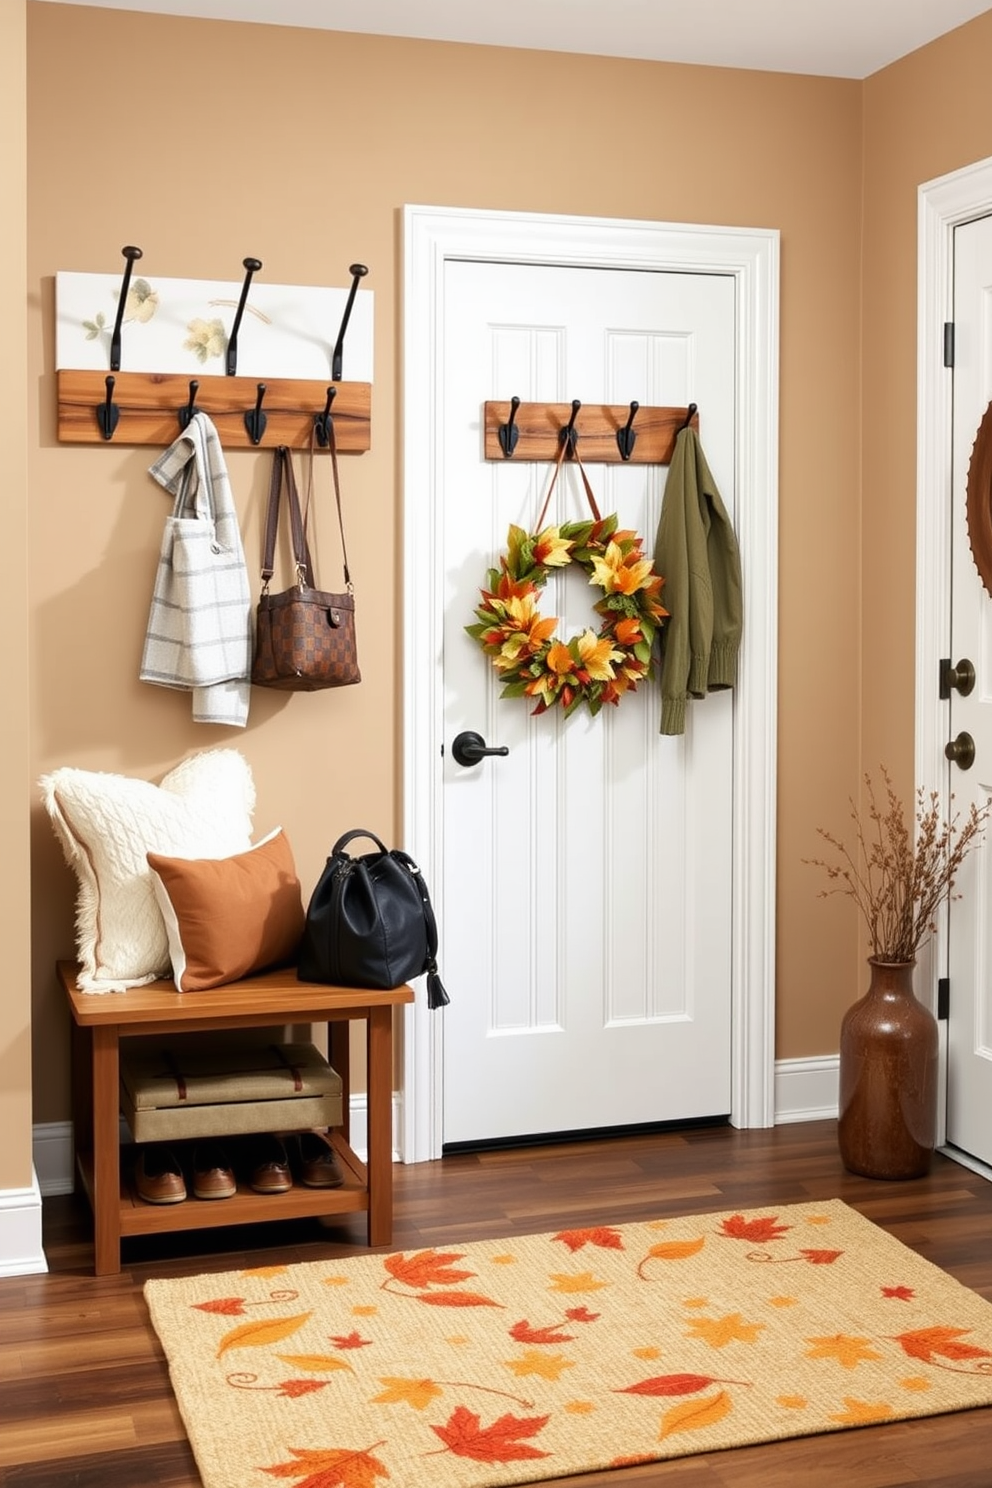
[108, 823]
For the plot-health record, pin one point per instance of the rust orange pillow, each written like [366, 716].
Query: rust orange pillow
[227, 917]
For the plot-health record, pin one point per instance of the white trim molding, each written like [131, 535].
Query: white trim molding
[944, 204]
[974, 1164]
[54, 1157]
[358, 1115]
[21, 1253]
[807, 1089]
[432, 235]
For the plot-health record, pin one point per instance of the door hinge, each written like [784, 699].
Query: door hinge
[948, 343]
[943, 998]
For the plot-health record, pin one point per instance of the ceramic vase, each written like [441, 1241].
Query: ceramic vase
[888, 1078]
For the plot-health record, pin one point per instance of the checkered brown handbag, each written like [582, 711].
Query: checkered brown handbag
[304, 637]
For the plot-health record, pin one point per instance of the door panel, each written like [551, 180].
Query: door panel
[587, 875]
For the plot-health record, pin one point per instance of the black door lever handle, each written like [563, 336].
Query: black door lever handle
[469, 748]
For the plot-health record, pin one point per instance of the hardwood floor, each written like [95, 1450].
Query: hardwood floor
[84, 1392]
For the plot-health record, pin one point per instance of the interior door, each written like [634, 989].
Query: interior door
[588, 872]
[969, 1069]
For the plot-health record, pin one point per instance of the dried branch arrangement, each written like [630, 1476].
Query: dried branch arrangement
[899, 883]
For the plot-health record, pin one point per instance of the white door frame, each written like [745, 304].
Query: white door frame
[944, 204]
[430, 236]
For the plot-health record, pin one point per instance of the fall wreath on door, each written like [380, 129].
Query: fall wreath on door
[596, 666]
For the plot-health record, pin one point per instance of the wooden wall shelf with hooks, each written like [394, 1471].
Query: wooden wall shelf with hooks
[149, 404]
[539, 428]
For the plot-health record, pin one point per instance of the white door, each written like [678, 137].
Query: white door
[434, 237]
[969, 1070]
[587, 875]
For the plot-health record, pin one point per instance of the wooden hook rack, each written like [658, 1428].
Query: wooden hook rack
[539, 429]
[149, 405]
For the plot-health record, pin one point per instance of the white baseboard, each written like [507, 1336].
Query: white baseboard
[20, 1231]
[967, 1161]
[807, 1089]
[53, 1159]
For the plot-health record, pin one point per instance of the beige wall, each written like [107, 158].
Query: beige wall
[204, 142]
[15, 986]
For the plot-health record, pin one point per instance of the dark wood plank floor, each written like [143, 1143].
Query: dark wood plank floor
[84, 1392]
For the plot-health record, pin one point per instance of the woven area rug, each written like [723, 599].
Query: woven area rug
[511, 1361]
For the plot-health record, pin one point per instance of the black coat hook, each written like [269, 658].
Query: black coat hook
[689, 415]
[255, 419]
[108, 413]
[626, 438]
[508, 432]
[569, 435]
[252, 265]
[358, 271]
[186, 413]
[322, 421]
[130, 255]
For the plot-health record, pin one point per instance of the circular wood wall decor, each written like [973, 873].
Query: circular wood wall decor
[979, 502]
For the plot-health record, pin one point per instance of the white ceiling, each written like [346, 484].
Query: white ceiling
[831, 38]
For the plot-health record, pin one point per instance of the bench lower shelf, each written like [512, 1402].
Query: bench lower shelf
[245, 1207]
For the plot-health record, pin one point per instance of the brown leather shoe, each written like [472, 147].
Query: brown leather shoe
[269, 1166]
[318, 1163]
[213, 1176]
[158, 1176]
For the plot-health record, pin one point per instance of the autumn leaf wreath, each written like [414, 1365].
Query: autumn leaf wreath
[594, 667]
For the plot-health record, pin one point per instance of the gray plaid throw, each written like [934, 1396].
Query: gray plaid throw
[199, 634]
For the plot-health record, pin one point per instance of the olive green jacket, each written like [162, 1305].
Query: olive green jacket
[696, 552]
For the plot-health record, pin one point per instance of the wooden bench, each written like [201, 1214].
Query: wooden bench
[99, 1022]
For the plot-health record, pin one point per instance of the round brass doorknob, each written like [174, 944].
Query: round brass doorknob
[961, 750]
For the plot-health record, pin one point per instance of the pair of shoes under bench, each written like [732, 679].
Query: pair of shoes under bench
[158, 1174]
[272, 1172]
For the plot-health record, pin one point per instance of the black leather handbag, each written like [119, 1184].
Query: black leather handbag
[370, 922]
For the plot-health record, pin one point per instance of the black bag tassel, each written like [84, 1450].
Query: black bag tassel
[436, 995]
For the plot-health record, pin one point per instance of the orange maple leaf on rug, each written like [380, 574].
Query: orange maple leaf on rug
[335, 1467]
[464, 1435]
[426, 1268]
[603, 1235]
[739, 1228]
[429, 1268]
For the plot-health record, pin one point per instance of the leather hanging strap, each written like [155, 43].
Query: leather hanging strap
[282, 472]
[332, 444]
[585, 481]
